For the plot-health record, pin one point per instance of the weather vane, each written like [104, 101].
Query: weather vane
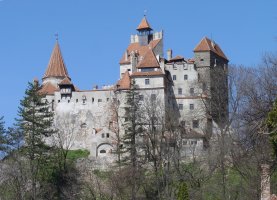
[57, 36]
[145, 11]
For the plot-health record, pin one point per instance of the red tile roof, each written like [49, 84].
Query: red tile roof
[48, 89]
[149, 60]
[144, 24]
[56, 66]
[151, 73]
[66, 81]
[207, 45]
[124, 82]
[141, 50]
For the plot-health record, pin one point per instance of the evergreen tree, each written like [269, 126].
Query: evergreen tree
[3, 140]
[35, 122]
[131, 126]
[183, 191]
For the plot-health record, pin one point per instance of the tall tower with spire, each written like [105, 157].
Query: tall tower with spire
[56, 70]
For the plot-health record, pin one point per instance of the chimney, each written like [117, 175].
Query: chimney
[169, 54]
[265, 182]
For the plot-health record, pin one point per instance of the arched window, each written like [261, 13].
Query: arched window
[102, 151]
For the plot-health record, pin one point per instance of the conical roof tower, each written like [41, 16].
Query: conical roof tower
[56, 70]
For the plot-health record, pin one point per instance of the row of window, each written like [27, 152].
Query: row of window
[84, 100]
[191, 91]
[153, 97]
[107, 135]
[192, 142]
[185, 67]
[174, 77]
[195, 123]
[181, 106]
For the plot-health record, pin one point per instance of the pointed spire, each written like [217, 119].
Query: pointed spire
[144, 25]
[56, 66]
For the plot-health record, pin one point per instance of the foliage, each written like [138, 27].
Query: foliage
[35, 122]
[183, 193]
[272, 126]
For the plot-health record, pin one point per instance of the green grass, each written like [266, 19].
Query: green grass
[75, 154]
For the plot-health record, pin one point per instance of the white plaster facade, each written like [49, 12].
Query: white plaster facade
[86, 118]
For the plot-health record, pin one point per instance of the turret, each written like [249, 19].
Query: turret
[145, 34]
[212, 67]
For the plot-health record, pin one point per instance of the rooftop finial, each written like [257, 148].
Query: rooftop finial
[57, 36]
[145, 11]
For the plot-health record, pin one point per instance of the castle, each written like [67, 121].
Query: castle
[185, 91]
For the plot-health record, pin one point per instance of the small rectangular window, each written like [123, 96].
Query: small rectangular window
[99, 100]
[180, 106]
[147, 81]
[191, 106]
[174, 77]
[185, 77]
[76, 100]
[92, 99]
[180, 91]
[107, 135]
[103, 135]
[108, 99]
[153, 97]
[193, 142]
[204, 87]
[195, 124]
[141, 97]
[191, 91]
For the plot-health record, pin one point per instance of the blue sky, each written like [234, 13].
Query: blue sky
[94, 34]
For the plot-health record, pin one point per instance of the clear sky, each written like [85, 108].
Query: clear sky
[94, 34]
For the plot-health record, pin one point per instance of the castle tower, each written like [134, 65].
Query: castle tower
[141, 42]
[56, 70]
[212, 66]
